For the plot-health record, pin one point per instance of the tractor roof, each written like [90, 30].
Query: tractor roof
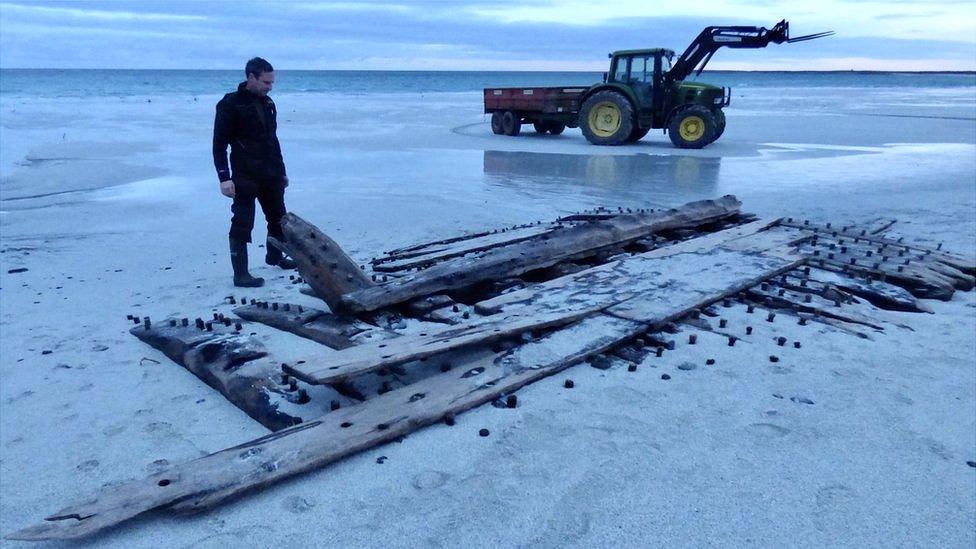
[650, 51]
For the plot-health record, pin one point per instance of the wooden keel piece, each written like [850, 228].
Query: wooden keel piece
[559, 245]
[321, 262]
[326, 328]
[231, 363]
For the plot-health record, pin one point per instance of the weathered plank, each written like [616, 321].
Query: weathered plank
[320, 326]
[559, 245]
[321, 262]
[383, 354]
[231, 363]
[492, 240]
[634, 276]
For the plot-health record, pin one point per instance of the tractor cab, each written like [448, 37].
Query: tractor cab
[641, 73]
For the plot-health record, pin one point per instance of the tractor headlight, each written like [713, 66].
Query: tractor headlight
[718, 100]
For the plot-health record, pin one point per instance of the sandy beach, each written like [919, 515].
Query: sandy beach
[112, 206]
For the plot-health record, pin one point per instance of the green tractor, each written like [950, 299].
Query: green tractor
[644, 90]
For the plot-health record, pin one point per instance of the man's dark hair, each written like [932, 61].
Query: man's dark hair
[257, 67]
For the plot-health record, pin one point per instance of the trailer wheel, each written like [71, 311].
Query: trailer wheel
[511, 123]
[540, 127]
[555, 128]
[496, 123]
[692, 128]
[607, 118]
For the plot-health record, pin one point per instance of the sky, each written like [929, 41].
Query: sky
[475, 35]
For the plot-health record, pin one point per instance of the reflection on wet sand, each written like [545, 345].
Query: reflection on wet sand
[637, 174]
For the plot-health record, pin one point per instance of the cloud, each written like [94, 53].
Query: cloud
[479, 35]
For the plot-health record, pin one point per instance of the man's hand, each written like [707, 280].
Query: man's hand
[227, 188]
[285, 179]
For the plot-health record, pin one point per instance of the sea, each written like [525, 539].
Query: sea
[53, 83]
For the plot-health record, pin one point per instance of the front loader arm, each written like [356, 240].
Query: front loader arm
[711, 39]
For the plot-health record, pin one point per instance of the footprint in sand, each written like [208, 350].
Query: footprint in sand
[770, 429]
[88, 466]
[429, 480]
[298, 504]
[157, 466]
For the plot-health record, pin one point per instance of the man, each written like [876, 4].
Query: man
[247, 121]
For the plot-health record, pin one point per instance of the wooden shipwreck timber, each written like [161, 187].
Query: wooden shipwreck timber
[439, 328]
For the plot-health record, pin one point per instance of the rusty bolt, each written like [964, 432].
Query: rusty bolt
[770, 317]
[303, 396]
[569, 384]
[660, 351]
[796, 345]
[773, 358]
[731, 341]
[692, 339]
[723, 323]
[781, 341]
[750, 309]
[807, 298]
[748, 330]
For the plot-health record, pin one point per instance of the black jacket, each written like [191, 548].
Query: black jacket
[248, 124]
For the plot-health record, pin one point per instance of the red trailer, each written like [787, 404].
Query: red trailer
[548, 109]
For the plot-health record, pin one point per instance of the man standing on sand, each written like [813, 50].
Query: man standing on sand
[247, 121]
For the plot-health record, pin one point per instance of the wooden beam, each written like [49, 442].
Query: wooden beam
[231, 363]
[560, 245]
[321, 262]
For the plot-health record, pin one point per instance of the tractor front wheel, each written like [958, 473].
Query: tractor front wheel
[496, 123]
[511, 123]
[607, 118]
[719, 124]
[692, 128]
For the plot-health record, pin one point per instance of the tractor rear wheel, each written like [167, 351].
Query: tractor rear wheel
[607, 118]
[555, 128]
[496, 123]
[511, 123]
[692, 128]
[540, 127]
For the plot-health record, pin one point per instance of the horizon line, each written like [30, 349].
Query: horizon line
[879, 71]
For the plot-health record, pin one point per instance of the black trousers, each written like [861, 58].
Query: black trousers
[270, 193]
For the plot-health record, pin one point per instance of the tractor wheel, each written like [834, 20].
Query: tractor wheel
[496, 123]
[607, 118]
[692, 128]
[511, 124]
[540, 127]
[719, 125]
[637, 134]
[555, 128]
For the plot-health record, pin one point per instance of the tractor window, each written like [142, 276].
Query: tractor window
[642, 70]
[620, 71]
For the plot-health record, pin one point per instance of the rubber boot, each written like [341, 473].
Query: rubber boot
[274, 257]
[238, 260]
